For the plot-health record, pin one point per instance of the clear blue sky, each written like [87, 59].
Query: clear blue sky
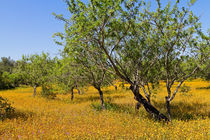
[27, 26]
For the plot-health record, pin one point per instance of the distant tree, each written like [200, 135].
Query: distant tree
[7, 64]
[37, 71]
[86, 66]
[68, 75]
[8, 77]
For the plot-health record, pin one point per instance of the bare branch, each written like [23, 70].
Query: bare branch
[174, 94]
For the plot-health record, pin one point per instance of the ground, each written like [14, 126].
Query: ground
[61, 118]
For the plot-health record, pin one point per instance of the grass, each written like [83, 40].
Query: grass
[61, 118]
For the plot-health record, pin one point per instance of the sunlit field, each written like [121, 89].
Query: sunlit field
[61, 118]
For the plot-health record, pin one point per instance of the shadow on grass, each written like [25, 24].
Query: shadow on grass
[84, 98]
[120, 108]
[179, 111]
[80, 99]
[19, 115]
[185, 111]
[119, 91]
[203, 87]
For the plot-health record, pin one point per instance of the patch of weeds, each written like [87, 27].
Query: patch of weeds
[6, 110]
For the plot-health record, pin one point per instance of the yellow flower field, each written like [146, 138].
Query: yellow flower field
[61, 118]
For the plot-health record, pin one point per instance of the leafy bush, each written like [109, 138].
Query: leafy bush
[9, 80]
[6, 110]
[47, 92]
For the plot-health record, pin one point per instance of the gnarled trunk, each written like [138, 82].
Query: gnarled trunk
[101, 97]
[148, 107]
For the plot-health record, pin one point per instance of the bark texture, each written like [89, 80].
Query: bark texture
[168, 108]
[101, 98]
[148, 107]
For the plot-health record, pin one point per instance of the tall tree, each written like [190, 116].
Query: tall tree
[111, 29]
[138, 43]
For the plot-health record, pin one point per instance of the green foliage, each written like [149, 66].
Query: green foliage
[139, 45]
[8, 78]
[192, 1]
[47, 92]
[37, 70]
[6, 64]
[6, 110]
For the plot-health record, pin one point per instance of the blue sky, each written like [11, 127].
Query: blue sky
[27, 26]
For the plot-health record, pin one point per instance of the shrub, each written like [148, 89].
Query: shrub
[47, 92]
[6, 110]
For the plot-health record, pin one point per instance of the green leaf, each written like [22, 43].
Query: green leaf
[192, 1]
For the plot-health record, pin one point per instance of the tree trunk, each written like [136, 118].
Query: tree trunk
[148, 107]
[72, 93]
[78, 90]
[34, 94]
[168, 108]
[115, 86]
[148, 98]
[101, 97]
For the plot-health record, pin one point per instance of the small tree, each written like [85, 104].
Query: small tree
[68, 75]
[37, 70]
[86, 66]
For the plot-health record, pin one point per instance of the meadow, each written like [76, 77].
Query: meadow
[61, 118]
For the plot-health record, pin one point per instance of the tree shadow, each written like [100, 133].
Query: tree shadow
[208, 87]
[186, 111]
[180, 111]
[118, 91]
[82, 98]
[20, 115]
[119, 108]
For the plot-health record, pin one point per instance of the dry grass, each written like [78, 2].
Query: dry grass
[39, 118]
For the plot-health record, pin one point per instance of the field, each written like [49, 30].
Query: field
[61, 118]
